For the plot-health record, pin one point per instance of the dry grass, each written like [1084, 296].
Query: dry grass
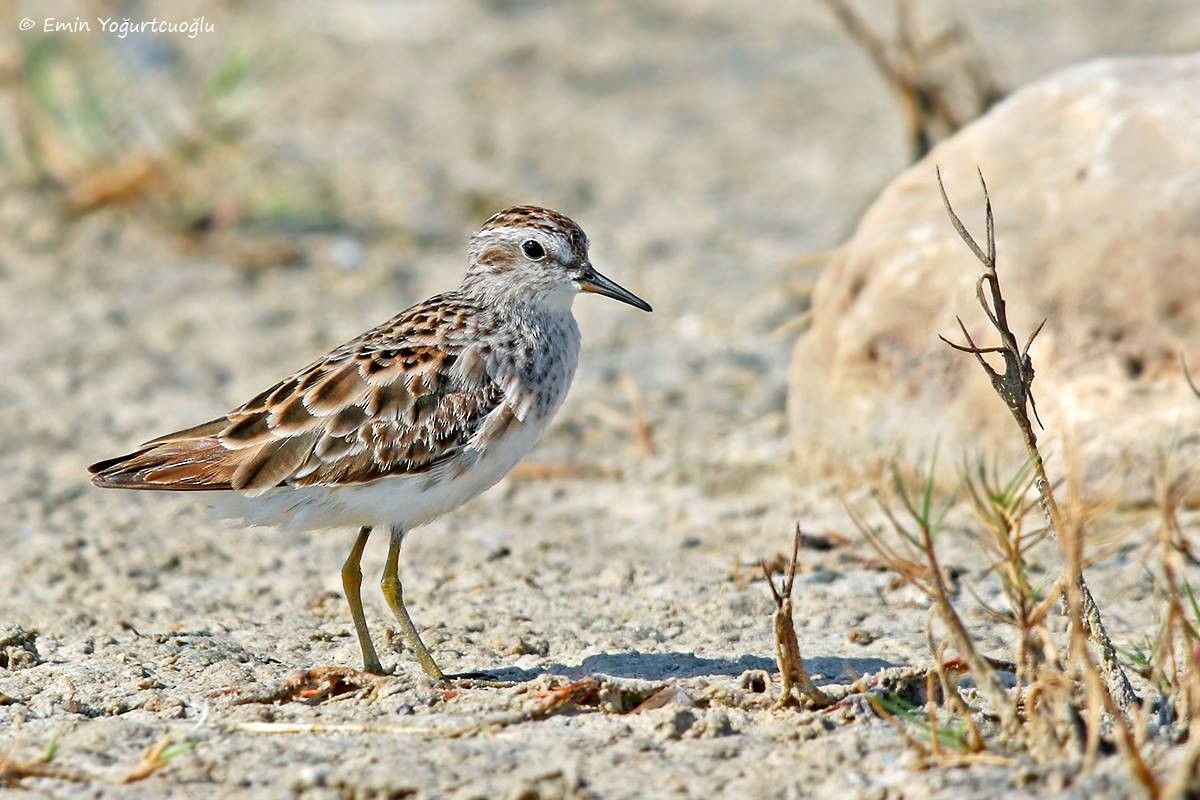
[14, 771]
[89, 131]
[1070, 700]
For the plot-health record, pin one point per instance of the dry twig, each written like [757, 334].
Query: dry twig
[1014, 386]
[13, 772]
[787, 649]
[641, 425]
[328, 727]
[906, 64]
[545, 471]
[320, 683]
[155, 758]
[950, 695]
[549, 702]
[1187, 376]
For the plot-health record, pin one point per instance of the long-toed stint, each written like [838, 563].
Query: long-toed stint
[406, 422]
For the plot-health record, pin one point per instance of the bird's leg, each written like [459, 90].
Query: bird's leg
[393, 592]
[352, 584]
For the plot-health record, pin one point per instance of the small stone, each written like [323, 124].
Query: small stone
[861, 636]
[311, 776]
[503, 551]
[754, 680]
[672, 695]
[529, 647]
[18, 648]
[678, 723]
[820, 577]
[714, 724]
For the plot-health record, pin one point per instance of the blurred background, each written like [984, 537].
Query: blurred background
[187, 215]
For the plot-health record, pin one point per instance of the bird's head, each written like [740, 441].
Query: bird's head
[535, 255]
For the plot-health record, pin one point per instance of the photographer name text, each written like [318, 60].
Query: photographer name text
[119, 27]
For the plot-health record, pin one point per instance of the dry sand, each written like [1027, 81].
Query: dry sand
[703, 146]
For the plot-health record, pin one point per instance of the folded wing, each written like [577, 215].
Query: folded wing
[410, 397]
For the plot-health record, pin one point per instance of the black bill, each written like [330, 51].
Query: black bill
[596, 283]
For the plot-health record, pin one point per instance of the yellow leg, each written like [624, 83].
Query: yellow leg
[393, 592]
[352, 583]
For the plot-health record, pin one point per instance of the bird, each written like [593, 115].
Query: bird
[405, 422]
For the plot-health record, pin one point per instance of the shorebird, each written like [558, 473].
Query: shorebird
[407, 421]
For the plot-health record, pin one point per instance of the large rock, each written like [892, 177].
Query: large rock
[1094, 175]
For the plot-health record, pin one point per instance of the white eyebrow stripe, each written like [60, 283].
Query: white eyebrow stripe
[555, 241]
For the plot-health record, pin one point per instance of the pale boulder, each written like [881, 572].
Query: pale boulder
[1094, 175]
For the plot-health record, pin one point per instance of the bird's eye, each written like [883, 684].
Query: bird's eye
[533, 250]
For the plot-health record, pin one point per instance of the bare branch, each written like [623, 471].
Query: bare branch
[982, 298]
[936, 102]
[1015, 387]
[778, 598]
[1032, 336]
[791, 573]
[991, 223]
[961, 229]
[966, 349]
[787, 649]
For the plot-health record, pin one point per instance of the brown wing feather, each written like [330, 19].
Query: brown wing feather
[189, 464]
[400, 399]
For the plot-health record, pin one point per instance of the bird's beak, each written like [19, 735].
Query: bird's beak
[596, 283]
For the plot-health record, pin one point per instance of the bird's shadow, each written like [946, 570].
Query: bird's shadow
[828, 670]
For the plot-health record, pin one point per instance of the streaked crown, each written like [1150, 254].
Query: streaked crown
[537, 218]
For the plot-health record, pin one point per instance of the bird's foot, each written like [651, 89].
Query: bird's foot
[376, 668]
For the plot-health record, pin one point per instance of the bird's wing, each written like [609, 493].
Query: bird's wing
[405, 398]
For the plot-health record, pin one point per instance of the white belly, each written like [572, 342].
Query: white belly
[408, 501]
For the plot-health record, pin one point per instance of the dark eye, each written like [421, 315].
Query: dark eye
[533, 250]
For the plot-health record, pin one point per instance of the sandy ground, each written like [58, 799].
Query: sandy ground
[703, 146]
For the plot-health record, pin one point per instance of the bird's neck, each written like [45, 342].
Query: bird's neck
[512, 301]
